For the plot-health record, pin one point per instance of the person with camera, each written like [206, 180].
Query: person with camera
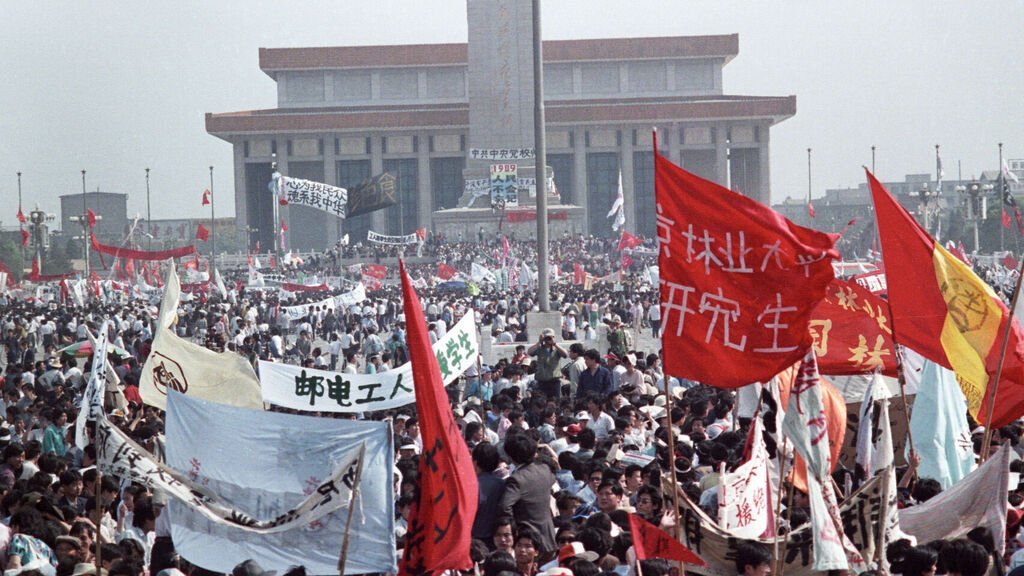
[549, 355]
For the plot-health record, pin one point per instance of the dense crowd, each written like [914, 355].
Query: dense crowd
[569, 432]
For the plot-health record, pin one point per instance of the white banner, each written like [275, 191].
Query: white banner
[480, 274]
[92, 399]
[744, 502]
[179, 365]
[317, 195]
[117, 454]
[265, 464]
[501, 153]
[372, 236]
[322, 391]
[354, 296]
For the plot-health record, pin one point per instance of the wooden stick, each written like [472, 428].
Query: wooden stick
[785, 541]
[902, 377]
[351, 508]
[778, 504]
[99, 519]
[883, 522]
[986, 443]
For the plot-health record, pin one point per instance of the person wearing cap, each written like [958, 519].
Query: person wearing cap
[618, 337]
[549, 355]
[52, 376]
[596, 379]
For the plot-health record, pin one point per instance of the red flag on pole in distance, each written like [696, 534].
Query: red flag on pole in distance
[206, 197]
[738, 281]
[91, 216]
[421, 233]
[810, 210]
[445, 272]
[626, 261]
[284, 225]
[943, 311]
[24, 237]
[1006, 219]
[627, 241]
[649, 541]
[202, 233]
[21, 216]
[441, 522]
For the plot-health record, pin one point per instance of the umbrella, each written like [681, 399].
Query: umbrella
[84, 348]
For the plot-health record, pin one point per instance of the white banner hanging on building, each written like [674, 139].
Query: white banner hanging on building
[317, 195]
[323, 391]
[501, 153]
[372, 236]
[354, 296]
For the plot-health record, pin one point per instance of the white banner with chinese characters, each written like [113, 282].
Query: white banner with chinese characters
[505, 184]
[354, 296]
[317, 195]
[372, 236]
[267, 463]
[117, 454]
[501, 153]
[744, 502]
[322, 391]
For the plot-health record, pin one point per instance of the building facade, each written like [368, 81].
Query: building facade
[111, 208]
[416, 111]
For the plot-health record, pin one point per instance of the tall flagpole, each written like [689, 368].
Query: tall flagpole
[21, 214]
[808, 176]
[86, 239]
[149, 216]
[541, 162]
[999, 194]
[213, 229]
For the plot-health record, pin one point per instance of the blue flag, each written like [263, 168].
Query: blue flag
[939, 427]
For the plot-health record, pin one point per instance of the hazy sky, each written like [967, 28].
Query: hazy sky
[115, 87]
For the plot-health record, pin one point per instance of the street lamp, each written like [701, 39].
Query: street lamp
[975, 201]
[928, 204]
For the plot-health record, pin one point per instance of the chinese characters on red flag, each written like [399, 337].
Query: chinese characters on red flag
[738, 281]
[441, 522]
[852, 331]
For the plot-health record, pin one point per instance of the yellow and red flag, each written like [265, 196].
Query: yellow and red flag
[943, 311]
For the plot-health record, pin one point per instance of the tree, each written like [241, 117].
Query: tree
[10, 253]
[56, 260]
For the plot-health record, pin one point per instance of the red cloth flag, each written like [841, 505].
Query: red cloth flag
[441, 522]
[810, 210]
[206, 197]
[649, 541]
[738, 281]
[282, 201]
[378, 271]
[257, 246]
[852, 331]
[579, 275]
[627, 261]
[1006, 219]
[273, 263]
[943, 311]
[445, 272]
[284, 225]
[154, 255]
[1010, 262]
[627, 241]
[91, 216]
[22, 219]
[421, 233]
[202, 233]
[24, 237]
[129, 270]
[505, 247]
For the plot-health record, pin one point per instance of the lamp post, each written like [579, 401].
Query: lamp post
[975, 201]
[541, 164]
[928, 204]
[85, 226]
[20, 216]
[149, 217]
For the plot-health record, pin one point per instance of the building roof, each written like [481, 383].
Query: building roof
[274, 60]
[648, 110]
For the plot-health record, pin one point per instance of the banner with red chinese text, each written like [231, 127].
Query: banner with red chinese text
[852, 331]
[738, 281]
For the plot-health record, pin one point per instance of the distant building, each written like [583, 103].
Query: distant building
[418, 112]
[112, 208]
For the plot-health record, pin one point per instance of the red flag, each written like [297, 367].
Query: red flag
[441, 521]
[649, 541]
[206, 197]
[852, 331]
[91, 216]
[421, 233]
[627, 261]
[810, 210]
[445, 272]
[1006, 219]
[579, 275]
[22, 219]
[257, 246]
[505, 247]
[738, 281]
[273, 263]
[378, 271]
[202, 233]
[129, 269]
[1010, 262]
[627, 241]
[24, 237]
[282, 201]
[284, 225]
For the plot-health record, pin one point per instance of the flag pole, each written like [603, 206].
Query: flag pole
[778, 500]
[987, 441]
[668, 407]
[351, 508]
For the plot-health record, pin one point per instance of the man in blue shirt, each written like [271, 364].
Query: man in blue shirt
[596, 379]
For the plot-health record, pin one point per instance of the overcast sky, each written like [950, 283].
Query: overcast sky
[115, 87]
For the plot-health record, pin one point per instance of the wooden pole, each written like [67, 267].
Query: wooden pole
[351, 508]
[778, 503]
[785, 538]
[994, 384]
[99, 519]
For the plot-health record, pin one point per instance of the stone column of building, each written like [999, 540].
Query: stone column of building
[722, 155]
[334, 224]
[580, 194]
[764, 164]
[241, 202]
[626, 169]
[424, 200]
[378, 220]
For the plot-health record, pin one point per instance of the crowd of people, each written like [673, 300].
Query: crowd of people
[569, 430]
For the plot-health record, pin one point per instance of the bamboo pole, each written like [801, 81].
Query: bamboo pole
[351, 508]
[986, 443]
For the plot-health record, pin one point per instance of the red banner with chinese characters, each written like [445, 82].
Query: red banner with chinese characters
[378, 271]
[441, 522]
[852, 331]
[514, 216]
[738, 281]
